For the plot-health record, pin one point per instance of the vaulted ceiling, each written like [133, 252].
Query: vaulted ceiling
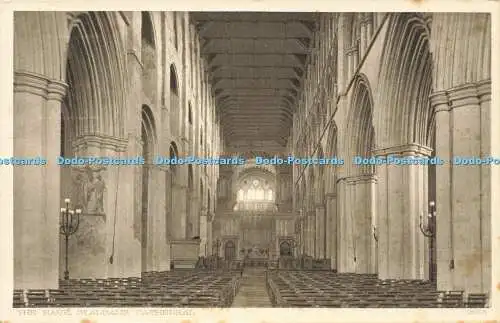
[256, 61]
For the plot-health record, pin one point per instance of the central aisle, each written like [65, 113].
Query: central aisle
[252, 292]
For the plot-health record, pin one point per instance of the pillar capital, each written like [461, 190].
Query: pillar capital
[331, 196]
[365, 178]
[40, 85]
[484, 90]
[403, 150]
[439, 101]
[463, 95]
[99, 141]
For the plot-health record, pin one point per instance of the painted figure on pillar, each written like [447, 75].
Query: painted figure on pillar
[88, 191]
[95, 195]
[78, 193]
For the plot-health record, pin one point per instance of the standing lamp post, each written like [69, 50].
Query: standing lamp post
[375, 233]
[429, 231]
[70, 221]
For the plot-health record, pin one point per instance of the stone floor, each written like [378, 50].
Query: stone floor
[252, 291]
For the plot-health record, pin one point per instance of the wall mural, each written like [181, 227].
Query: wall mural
[88, 190]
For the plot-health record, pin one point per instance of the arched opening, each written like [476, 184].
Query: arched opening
[147, 140]
[360, 130]
[190, 114]
[148, 56]
[285, 249]
[229, 250]
[405, 83]
[93, 105]
[358, 215]
[174, 101]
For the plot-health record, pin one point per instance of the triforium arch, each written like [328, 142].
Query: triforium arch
[149, 56]
[402, 118]
[175, 102]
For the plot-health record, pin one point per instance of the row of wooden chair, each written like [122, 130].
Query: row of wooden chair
[164, 289]
[329, 289]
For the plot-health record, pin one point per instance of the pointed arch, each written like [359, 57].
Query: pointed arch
[149, 134]
[360, 133]
[405, 82]
[149, 56]
[174, 80]
[95, 75]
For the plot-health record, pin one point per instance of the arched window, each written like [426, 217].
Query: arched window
[240, 195]
[269, 195]
[259, 194]
[251, 194]
[255, 194]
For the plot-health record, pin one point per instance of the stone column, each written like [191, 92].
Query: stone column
[369, 27]
[463, 207]
[179, 212]
[156, 220]
[401, 201]
[484, 94]
[193, 216]
[362, 210]
[363, 42]
[331, 229]
[203, 234]
[209, 233]
[444, 241]
[312, 233]
[320, 232]
[355, 58]
[303, 225]
[37, 115]
[350, 64]
[345, 241]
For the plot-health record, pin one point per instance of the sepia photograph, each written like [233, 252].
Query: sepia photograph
[252, 159]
